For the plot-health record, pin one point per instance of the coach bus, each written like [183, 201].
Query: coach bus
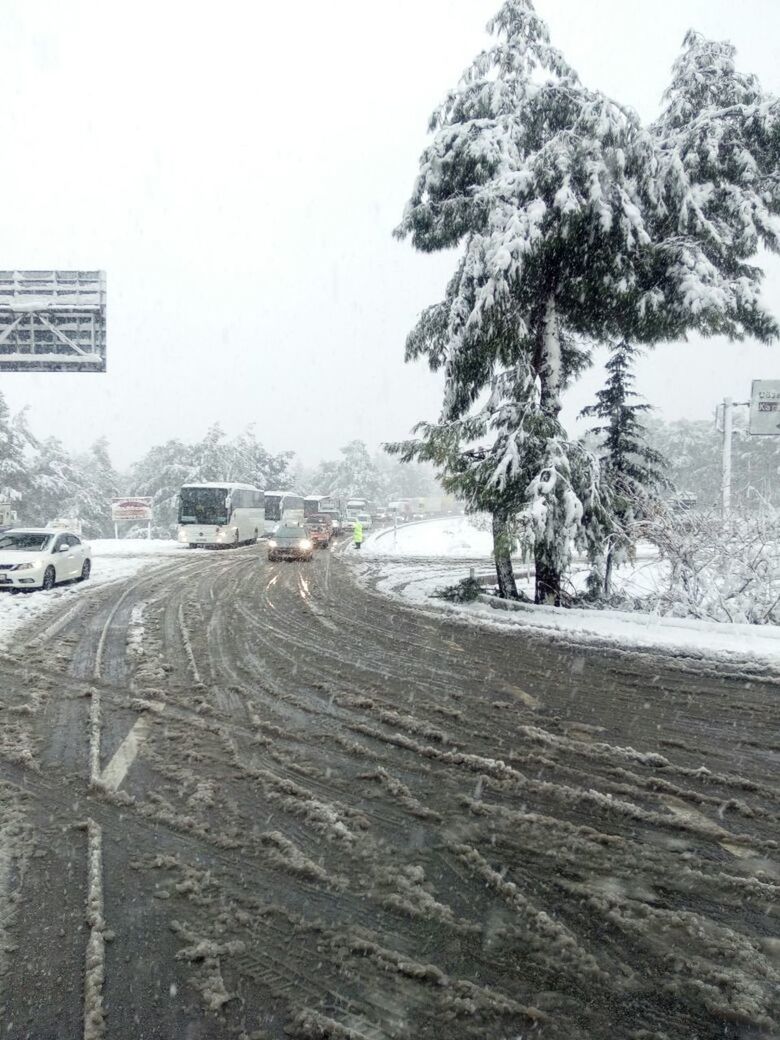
[319, 504]
[282, 507]
[220, 514]
[355, 506]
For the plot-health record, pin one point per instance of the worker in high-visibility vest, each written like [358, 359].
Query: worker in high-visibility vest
[358, 532]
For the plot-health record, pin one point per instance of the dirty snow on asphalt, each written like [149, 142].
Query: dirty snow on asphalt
[112, 560]
[386, 827]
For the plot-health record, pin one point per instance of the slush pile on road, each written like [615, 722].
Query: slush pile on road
[328, 817]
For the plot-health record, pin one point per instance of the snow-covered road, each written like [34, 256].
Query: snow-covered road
[111, 561]
[312, 811]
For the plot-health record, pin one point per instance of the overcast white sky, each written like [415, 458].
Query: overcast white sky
[238, 170]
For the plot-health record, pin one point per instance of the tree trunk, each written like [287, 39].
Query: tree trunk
[608, 571]
[502, 544]
[550, 361]
[548, 581]
[549, 369]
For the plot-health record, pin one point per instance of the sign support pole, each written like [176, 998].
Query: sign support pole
[728, 424]
[116, 531]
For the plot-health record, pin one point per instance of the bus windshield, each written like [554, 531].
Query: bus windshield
[201, 505]
[273, 507]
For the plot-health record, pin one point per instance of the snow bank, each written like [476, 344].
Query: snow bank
[450, 536]
[415, 584]
[127, 547]
[470, 538]
[111, 561]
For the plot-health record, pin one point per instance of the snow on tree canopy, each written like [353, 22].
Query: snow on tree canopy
[714, 188]
[576, 223]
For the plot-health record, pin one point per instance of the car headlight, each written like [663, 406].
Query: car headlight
[271, 544]
[305, 543]
[24, 566]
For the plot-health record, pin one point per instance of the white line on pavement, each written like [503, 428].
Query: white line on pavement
[112, 776]
[95, 964]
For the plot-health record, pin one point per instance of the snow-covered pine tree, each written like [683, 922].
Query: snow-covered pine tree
[711, 191]
[14, 440]
[54, 482]
[357, 475]
[535, 177]
[630, 468]
[97, 483]
[525, 472]
[255, 465]
[574, 221]
[160, 474]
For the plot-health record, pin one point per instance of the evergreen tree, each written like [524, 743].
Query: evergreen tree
[631, 470]
[255, 465]
[713, 194]
[575, 223]
[534, 175]
[160, 474]
[356, 475]
[14, 439]
[97, 483]
[55, 483]
[536, 483]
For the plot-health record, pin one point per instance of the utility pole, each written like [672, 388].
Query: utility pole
[728, 426]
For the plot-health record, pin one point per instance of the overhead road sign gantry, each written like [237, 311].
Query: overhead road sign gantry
[52, 321]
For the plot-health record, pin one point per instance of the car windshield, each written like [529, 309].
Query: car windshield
[24, 541]
[201, 505]
[291, 532]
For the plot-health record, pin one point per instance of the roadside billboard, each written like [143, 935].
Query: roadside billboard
[131, 508]
[52, 321]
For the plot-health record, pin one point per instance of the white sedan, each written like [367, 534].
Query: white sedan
[39, 558]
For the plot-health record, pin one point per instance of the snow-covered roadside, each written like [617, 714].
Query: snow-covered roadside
[111, 561]
[451, 536]
[414, 583]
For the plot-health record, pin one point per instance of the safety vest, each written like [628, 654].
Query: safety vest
[358, 532]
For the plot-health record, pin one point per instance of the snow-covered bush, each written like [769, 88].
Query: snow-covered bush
[719, 572]
[465, 591]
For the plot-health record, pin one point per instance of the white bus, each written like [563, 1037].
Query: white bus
[355, 506]
[282, 507]
[319, 504]
[220, 514]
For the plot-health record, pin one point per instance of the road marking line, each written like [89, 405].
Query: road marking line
[185, 637]
[112, 776]
[95, 960]
[94, 737]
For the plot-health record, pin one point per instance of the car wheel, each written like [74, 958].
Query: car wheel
[86, 568]
[49, 579]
